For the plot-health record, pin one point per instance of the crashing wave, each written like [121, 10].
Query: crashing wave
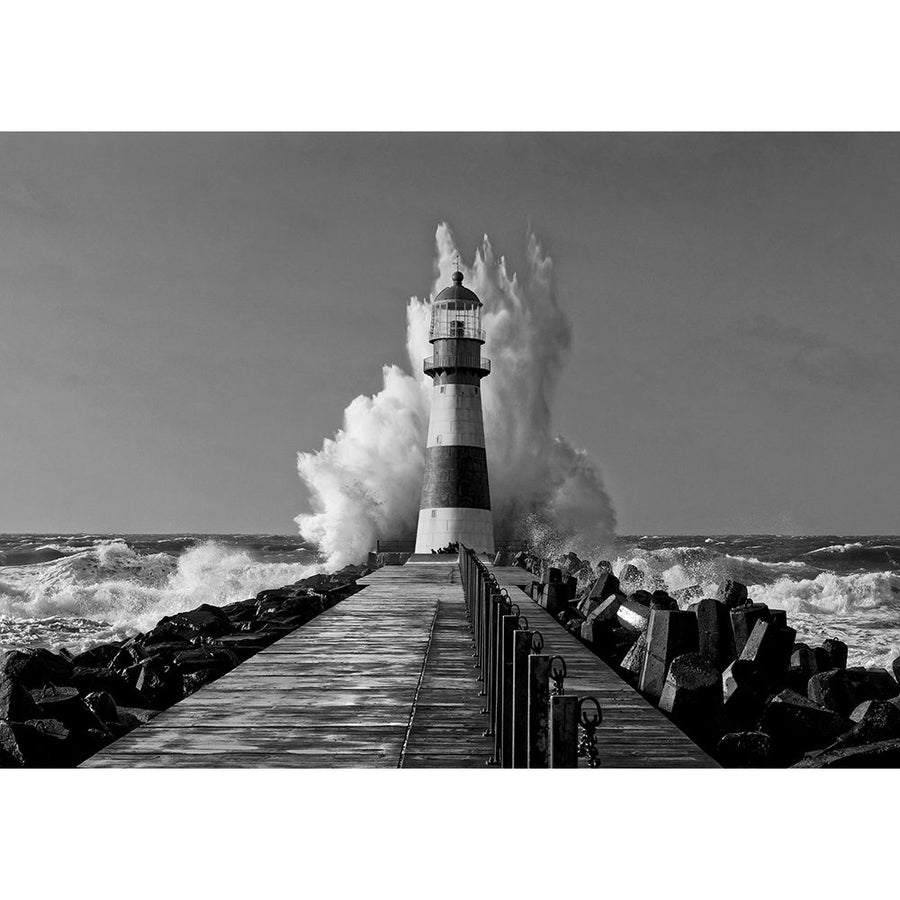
[121, 591]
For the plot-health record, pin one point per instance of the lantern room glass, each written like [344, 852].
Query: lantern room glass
[456, 319]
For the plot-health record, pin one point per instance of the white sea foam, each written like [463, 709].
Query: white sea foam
[838, 548]
[119, 591]
[365, 483]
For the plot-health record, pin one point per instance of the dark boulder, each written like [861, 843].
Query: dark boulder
[745, 750]
[246, 644]
[43, 743]
[16, 704]
[97, 657]
[219, 659]
[199, 678]
[206, 620]
[35, 668]
[88, 680]
[11, 754]
[102, 704]
[159, 683]
[732, 593]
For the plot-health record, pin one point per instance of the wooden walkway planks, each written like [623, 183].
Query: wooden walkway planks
[384, 678]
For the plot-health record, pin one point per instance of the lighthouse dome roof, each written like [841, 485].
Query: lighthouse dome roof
[456, 293]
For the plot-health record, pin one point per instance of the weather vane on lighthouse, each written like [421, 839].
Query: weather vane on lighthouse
[456, 499]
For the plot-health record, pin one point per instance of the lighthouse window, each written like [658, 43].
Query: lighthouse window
[442, 389]
[476, 392]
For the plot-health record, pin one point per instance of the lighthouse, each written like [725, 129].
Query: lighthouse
[456, 499]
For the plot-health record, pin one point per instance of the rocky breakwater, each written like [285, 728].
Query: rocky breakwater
[57, 709]
[728, 671]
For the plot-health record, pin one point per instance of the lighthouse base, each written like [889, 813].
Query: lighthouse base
[440, 526]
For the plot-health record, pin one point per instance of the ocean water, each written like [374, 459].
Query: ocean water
[77, 590]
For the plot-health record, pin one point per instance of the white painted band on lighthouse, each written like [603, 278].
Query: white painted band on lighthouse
[439, 526]
[456, 417]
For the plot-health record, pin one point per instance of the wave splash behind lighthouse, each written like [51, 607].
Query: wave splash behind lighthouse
[456, 498]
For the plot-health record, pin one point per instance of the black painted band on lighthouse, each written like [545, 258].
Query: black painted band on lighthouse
[456, 477]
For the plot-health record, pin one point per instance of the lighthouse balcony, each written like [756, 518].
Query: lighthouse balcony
[451, 361]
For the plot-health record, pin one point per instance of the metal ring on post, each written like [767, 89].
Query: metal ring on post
[558, 674]
[537, 642]
[522, 623]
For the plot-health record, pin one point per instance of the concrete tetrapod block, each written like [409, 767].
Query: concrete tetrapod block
[732, 593]
[551, 575]
[670, 633]
[797, 725]
[605, 586]
[600, 620]
[634, 658]
[837, 653]
[633, 616]
[745, 750]
[692, 696]
[716, 636]
[868, 684]
[661, 600]
[770, 646]
[744, 691]
[555, 597]
[829, 689]
[804, 658]
[881, 755]
[644, 597]
[880, 721]
[743, 618]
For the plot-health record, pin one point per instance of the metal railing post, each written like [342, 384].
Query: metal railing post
[539, 712]
[564, 732]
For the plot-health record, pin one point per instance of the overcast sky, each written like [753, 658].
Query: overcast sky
[180, 314]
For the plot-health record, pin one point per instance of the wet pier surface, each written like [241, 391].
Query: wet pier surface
[385, 679]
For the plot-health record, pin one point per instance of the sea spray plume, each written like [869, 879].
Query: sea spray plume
[531, 467]
[365, 483]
